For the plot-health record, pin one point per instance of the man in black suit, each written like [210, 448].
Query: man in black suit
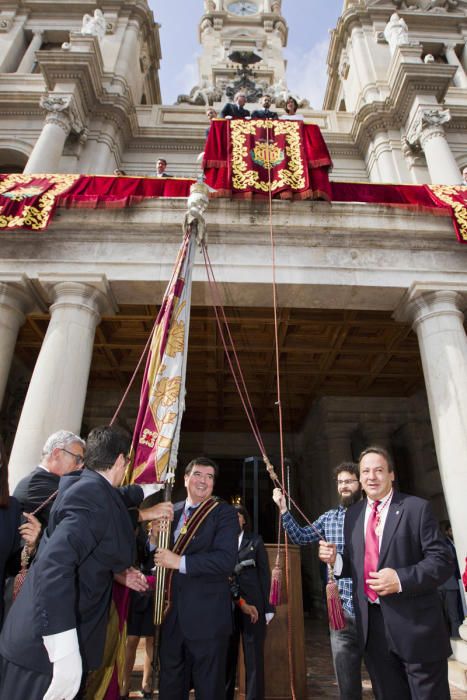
[196, 630]
[235, 110]
[264, 113]
[57, 625]
[161, 168]
[62, 454]
[250, 588]
[397, 559]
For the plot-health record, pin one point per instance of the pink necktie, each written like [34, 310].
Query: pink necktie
[371, 550]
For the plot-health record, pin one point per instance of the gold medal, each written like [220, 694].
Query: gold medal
[183, 530]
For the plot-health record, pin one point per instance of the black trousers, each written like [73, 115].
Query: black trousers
[253, 637]
[200, 662]
[19, 683]
[395, 679]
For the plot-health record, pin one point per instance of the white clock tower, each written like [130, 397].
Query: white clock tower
[242, 48]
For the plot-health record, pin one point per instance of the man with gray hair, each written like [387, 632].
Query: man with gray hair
[235, 110]
[62, 454]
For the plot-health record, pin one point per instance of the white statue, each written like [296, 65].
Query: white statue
[209, 6]
[94, 25]
[396, 32]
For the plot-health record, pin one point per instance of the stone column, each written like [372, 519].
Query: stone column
[438, 321]
[128, 57]
[14, 303]
[29, 58]
[62, 117]
[437, 318]
[427, 131]
[460, 78]
[384, 158]
[363, 64]
[57, 391]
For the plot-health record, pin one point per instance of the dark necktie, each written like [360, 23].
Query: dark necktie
[371, 550]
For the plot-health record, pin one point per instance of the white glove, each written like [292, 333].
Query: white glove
[149, 489]
[64, 654]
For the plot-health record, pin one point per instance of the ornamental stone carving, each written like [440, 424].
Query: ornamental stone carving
[5, 24]
[427, 5]
[209, 6]
[428, 124]
[94, 25]
[62, 112]
[203, 94]
[396, 32]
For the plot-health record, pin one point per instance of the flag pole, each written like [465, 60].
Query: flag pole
[194, 225]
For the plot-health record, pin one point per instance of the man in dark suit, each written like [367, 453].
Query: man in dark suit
[397, 559]
[235, 110]
[196, 630]
[161, 168]
[250, 588]
[57, 625]
[264, 113]
[62, 454]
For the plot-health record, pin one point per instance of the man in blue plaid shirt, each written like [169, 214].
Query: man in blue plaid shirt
[346, 655]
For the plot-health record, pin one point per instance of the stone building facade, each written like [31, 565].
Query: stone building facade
[371, 298]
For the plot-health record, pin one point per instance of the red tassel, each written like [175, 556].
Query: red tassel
[335, 610]
[275, 595]
[20, 577]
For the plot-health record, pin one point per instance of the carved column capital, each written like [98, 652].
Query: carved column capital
[427, 124]
[61, 110]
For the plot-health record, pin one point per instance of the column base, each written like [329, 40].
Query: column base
[457, 664]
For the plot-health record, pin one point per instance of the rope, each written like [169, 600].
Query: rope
[279, 407]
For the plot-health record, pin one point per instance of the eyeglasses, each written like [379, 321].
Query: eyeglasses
[346, 482]
[78, 458]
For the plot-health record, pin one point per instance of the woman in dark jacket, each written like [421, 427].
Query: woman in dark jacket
[251, 582]
[11, 531]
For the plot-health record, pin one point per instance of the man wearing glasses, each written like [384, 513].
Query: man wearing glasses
[56, 629]
[346, 654]
[62, 454]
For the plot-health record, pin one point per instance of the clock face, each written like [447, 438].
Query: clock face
[242, 7]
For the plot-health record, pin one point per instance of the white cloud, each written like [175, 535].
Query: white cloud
[307, 74]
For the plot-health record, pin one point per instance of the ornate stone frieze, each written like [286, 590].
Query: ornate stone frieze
[427, 5]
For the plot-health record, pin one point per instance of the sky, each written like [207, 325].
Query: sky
[309, 24]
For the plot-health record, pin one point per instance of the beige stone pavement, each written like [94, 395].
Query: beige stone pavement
[320, 676]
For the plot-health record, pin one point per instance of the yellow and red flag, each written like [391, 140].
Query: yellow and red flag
[162, 399]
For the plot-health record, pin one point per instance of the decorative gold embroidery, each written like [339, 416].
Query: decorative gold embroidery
[445, 194]
[292, 176]
[35, 217]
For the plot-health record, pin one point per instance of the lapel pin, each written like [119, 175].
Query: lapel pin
[397, 512]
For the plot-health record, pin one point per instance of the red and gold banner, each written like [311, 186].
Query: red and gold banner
[454, 197]
[109, 192]
[28, 201]
[251, 157]
[162, 399]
